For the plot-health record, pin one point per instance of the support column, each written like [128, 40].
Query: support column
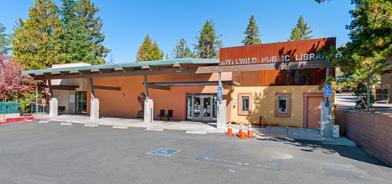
[221, 113]
[53, 102]
[94, 102]
[148, 110]
[148, 104]
[221, 118]
[146, 86]
[326, 113]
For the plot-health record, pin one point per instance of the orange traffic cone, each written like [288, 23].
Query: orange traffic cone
[229, 130]
[241, 133]
[250, 131]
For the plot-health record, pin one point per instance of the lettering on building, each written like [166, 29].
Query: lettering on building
[273, 59]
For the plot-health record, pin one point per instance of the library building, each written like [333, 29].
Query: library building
[277, 84]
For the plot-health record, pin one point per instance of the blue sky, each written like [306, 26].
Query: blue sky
[126, 22]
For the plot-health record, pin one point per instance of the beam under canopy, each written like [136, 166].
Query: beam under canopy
[112, 88]
[66, 88]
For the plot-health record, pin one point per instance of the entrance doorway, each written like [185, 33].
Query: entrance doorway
[81, 102]
[201, 107]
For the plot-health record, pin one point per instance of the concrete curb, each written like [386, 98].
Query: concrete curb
[120, 127]
[66, 123]
[91, 125]
[196, 132]
[154, 129]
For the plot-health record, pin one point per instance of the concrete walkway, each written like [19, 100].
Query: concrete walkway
[309, 134]
[192, 127]
[124, 123]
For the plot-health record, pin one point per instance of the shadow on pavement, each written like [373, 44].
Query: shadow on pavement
[355, 153]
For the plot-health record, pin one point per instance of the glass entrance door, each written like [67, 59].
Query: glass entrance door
[197, 109]
[81, 102]
[207, 108]
[201, 107]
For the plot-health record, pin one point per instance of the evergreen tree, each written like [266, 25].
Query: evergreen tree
[301, 31]
[182, 50]
[4, 41]
[86, 11]
[149, 51]
[370, 45]
[37, 41]
[208, 43]
[77, 43]
[252, 35]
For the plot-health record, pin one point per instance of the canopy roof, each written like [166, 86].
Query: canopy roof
[124, 69]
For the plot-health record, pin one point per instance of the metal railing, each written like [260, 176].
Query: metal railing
[41, 110]
[382, 98]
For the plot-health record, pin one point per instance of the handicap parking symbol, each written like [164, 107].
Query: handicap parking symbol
[164, 151]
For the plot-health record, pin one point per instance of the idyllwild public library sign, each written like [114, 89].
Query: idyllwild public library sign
[273, 59]
[291, 54]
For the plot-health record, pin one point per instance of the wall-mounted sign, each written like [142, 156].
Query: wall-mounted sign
[327, 90]
[301, 50]
[219, 93]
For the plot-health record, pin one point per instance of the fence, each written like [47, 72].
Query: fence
[382, 96]
[37, 109]
[9, 107]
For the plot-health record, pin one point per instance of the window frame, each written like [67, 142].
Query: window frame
[240, 105]
[280, 114]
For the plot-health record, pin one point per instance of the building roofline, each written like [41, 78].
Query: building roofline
[140, 64]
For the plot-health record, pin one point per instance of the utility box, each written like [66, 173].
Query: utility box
[335, 131]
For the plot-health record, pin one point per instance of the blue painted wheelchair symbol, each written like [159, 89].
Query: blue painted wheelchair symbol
[164, 151]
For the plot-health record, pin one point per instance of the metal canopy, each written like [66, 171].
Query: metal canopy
[125, 69]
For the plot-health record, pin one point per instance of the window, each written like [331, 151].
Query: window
[244, 104]
[283, 104]
[282, 107]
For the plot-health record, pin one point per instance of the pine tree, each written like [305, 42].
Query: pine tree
[364, 57]
[208, 43]
[252, 35]
[77, 43]
[182, 50]
[301, 31]
[86, 11]
[4, 41]
[37, 41]
[149, 51]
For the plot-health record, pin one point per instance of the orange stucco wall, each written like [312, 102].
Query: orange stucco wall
[124, 103]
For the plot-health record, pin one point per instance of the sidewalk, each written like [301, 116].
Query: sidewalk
[157, 125]
[192, 127]
[308, 134]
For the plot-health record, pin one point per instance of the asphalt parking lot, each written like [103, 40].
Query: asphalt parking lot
[54, 154]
